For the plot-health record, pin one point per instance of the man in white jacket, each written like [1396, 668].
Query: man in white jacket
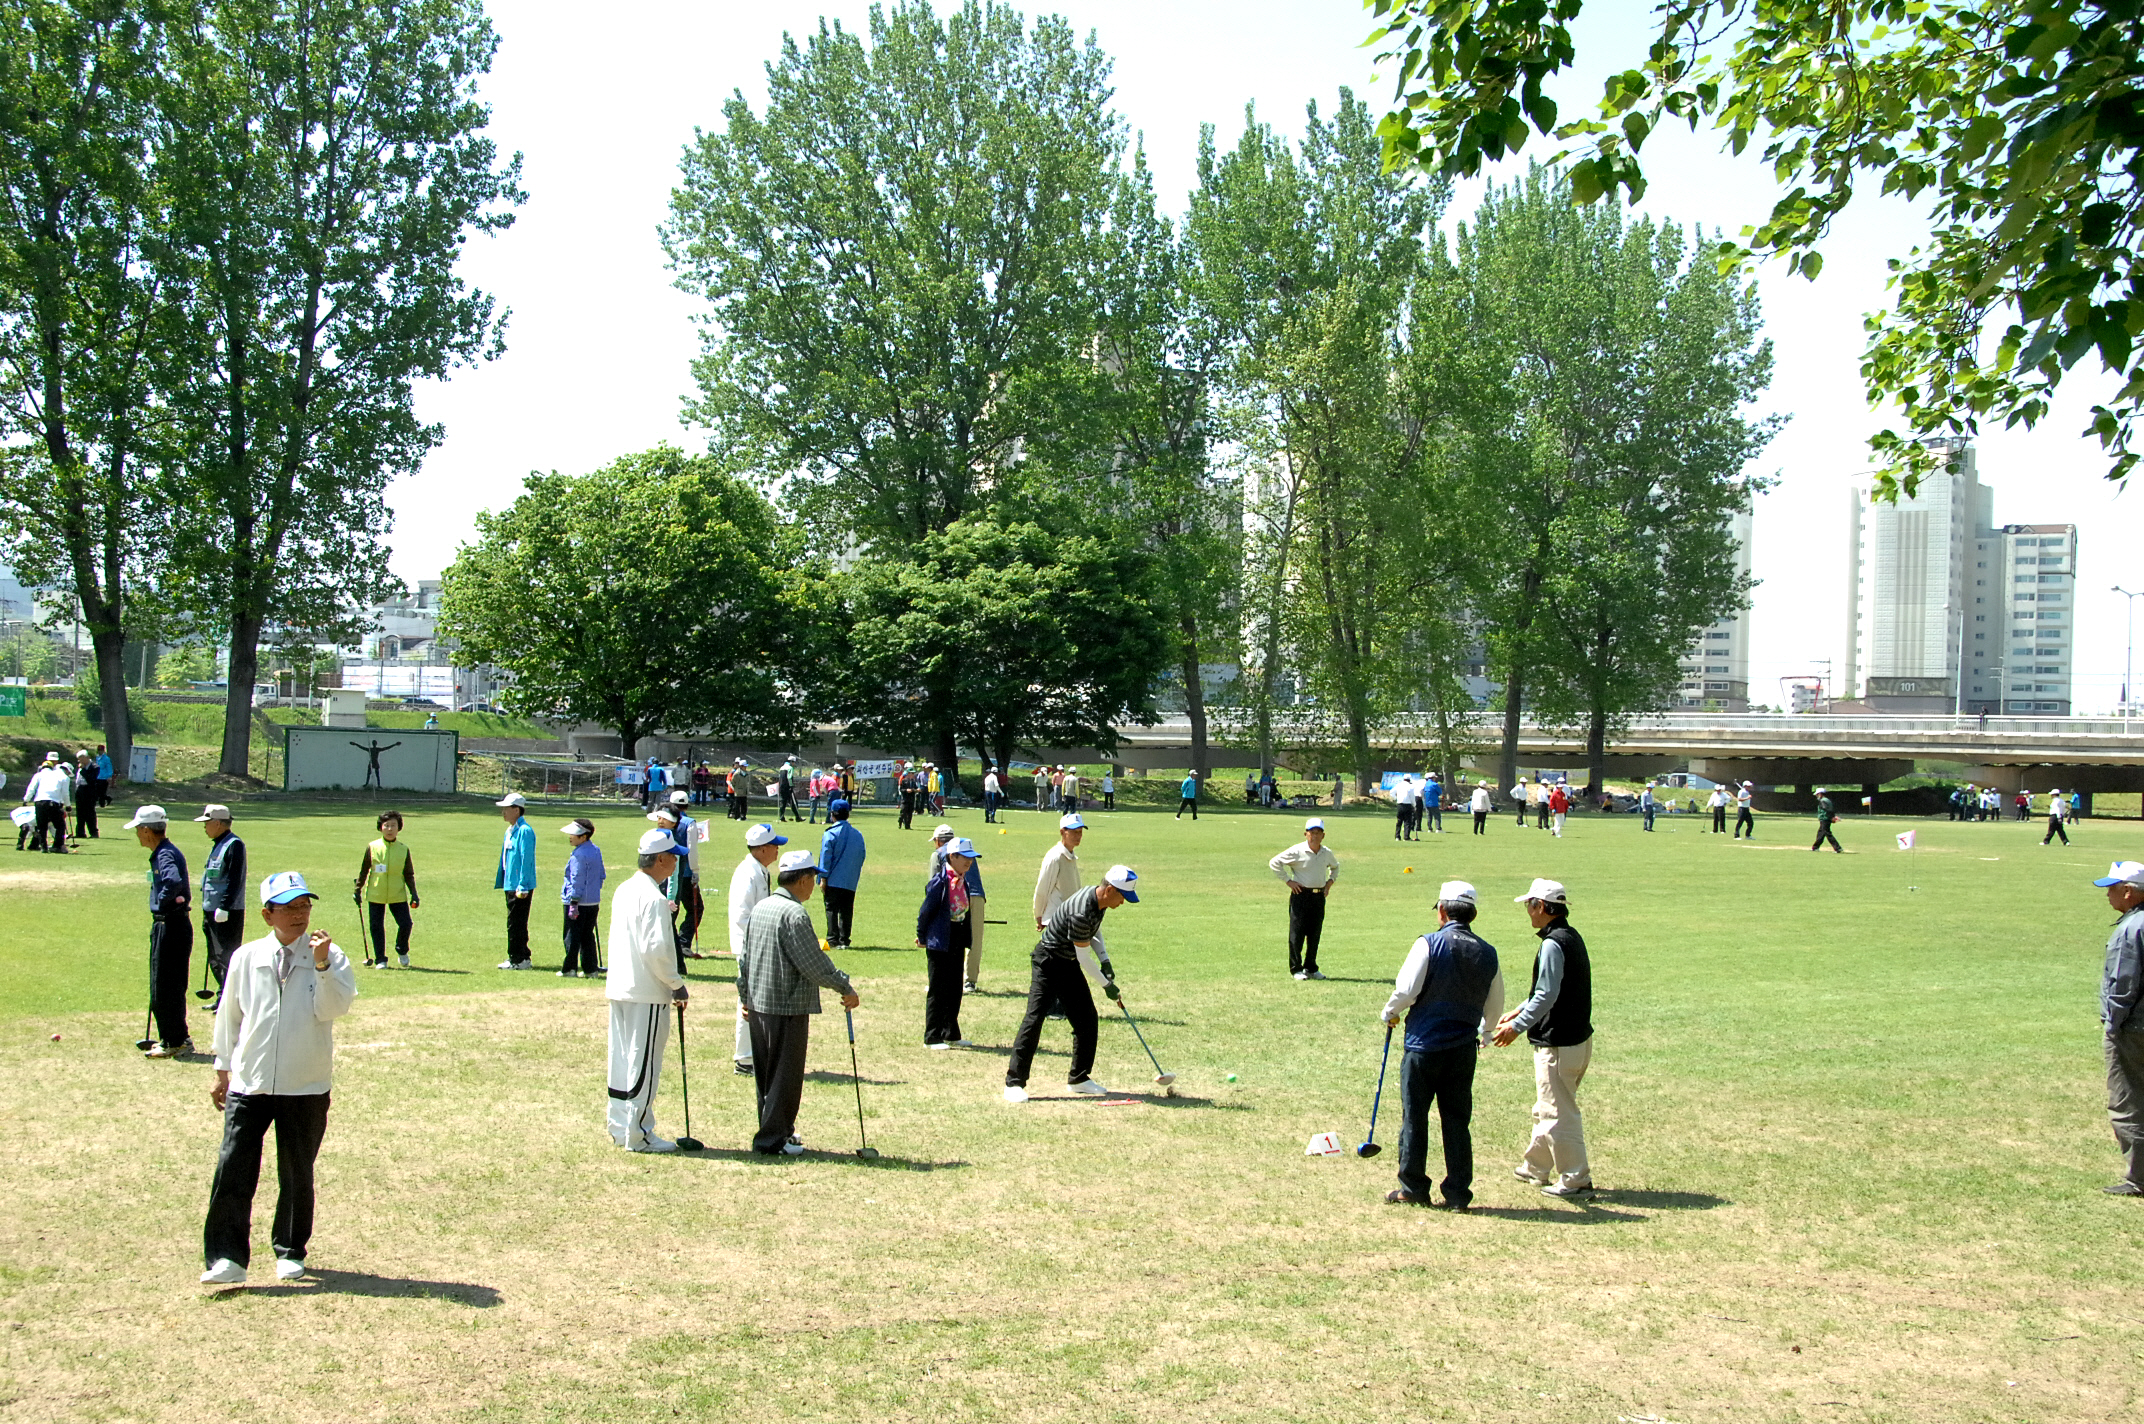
[644, 980]
[275, 1048]
[750, 883]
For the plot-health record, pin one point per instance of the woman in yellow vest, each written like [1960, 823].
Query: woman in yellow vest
[387, 883]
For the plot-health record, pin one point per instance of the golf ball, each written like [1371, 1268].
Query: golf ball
[55, 1038]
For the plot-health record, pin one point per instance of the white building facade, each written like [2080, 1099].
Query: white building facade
[1715, 672]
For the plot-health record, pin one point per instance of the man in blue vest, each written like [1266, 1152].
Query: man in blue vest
[1557, 1019]
[1450, 990]
[223, 892]
[841, 870]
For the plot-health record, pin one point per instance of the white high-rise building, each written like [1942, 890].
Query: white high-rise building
[1935, 590]
[1715, 672]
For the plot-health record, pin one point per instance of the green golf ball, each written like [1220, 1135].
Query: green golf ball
[1231, 1077]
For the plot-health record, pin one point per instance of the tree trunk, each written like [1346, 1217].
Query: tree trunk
[1194, 694]
[628, 737]
[1507, 762]
[946, 752]
[238, 695]
[1596, 750]
[111, 646]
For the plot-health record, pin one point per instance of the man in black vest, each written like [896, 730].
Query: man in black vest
[223, 892]
[1557, 1019]
[1450, 989]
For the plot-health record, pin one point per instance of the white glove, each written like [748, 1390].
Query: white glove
[222, 916]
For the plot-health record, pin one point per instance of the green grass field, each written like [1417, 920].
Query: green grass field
[1850, 1136]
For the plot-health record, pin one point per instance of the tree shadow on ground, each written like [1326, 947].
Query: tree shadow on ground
[322, 1281]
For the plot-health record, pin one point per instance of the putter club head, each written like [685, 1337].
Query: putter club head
[145, 1044]
[869, 1154]
[691, 1144]
[1369, 1149]
[204, 994]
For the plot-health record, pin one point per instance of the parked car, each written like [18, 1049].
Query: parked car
[422, 702]
[477, 707]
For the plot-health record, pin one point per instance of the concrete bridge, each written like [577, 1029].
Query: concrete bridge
[2010, 753]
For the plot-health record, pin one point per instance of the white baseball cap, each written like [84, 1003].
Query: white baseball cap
[1549, 891]
[965, 847]
[763, 834]
[1122, 878]
[1455, 892]
[794, 861]
[512, 798]
[1315, 823]
[680, 798]
[1071, 823]
[147, 816]
[942, 833]
[285, 886]
[657, 843]
[2122, 872]
[214, 812]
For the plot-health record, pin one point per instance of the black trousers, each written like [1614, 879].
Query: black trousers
[740, 806]
[377, 915]
[779, 1043]
[1541, 815]
[52, 822]
[579, 937]
[1823, 834]
[1744, 822]
[1481, 823]
[788, 809]
[1062, 983]
[1719, 819]
[941, 1000]
[1445, 1077]
[171, 952]
[85, 812]
[840, 916]
[517, 927]
[221, 941]
[1306, 922]
[2055, 828]
[1109, 800]
[990, 807]
[695, 908]
[301, 1121]
[908, 809]
[1403, 823]
[1188, 803]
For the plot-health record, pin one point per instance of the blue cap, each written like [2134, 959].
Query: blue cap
[285, 886]
[837, 807]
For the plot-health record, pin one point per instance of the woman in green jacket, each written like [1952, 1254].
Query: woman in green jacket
[387, 884]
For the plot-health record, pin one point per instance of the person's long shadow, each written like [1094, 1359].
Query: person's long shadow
[423, 969]
[1600, 1208]
[817, 1155]
[320, 1280]
[822, 1075]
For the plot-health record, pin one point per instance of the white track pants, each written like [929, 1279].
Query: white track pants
[638, 1035]
[743, 1052]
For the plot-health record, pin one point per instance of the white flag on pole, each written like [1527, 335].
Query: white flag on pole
[1905, 840]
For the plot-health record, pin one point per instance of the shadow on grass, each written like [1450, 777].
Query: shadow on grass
[384, 1287]
[821, 1075]
[814, 1155]
[1346, 979]
[1590, 1215]
[423, 969]
[1580, 1211]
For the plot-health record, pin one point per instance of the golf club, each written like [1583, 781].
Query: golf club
[1166, 1079]
[1370, 1147]
[687, 1143]
[866, 1151]
[204, 992]
[364, 931]
[146, 1042]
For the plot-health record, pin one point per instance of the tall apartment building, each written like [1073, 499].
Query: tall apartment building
[1936, 590]
[1715, 672]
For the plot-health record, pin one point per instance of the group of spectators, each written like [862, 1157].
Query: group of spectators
[1985, 803]
[54, 788]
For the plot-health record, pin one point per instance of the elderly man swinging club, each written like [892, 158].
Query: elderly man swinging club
[1074, 927]
[643, 981]
[779, 978]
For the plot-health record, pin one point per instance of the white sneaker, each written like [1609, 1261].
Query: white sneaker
[287, 1269]
[967, 986]
[225, 1272]
[656, 1144]
[1568, 1189]
[937, 1047]
[1301, 975]
[1090, 1088]
[792, 1148]
[1015, 1094]
[171, 1050]
[1314, 974]
[508, 964]
[568, 974]
[405, 960]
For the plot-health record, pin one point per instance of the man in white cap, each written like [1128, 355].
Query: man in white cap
[685, 889]
[2055, 827]
[49, 792]
[1068, 789]
[223, 890]
[993, 794]
[1451, 989]
[171, 931]
[751, 882]
[275, 1049]
[1403, 804]
[1308, 869]
[1074, 928]
[642, 982]
[1557, 1019]
[1059, 879]
[1480, 804]
[2118, 1011]
[785, 786]
[1745, 823]
[516, 877]
[779, 977]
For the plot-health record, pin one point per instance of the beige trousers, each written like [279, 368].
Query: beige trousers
[975, 939]
[1557, 1152]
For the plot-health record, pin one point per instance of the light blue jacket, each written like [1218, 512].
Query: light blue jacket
[517, 858]
[841, 856]
[1190, 788]
[584, 875]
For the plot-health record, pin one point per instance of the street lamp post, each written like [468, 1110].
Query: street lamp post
[2128, 650]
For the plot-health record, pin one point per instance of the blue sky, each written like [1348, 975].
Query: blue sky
[601, 100]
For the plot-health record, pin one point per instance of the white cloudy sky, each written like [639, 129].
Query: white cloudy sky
[599, 100]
